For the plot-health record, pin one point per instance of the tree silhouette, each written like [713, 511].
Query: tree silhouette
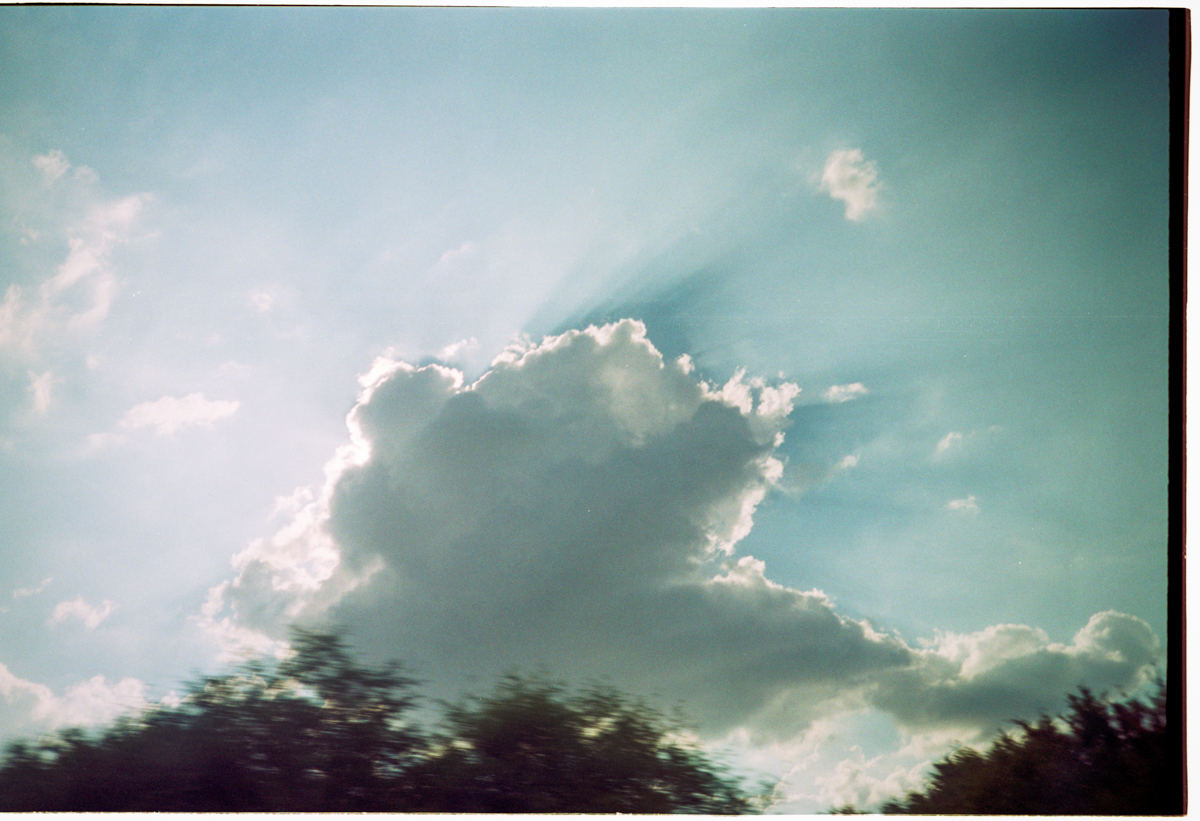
[532, 746]
[314, 731]
[1099, 759]
[318, 732]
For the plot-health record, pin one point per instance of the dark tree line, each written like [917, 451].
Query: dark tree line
[318, 732]
[1099, 758]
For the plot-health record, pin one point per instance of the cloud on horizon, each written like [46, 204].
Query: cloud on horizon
[579, 506]
[27, 707]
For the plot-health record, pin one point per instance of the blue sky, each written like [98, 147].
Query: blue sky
[865, 450]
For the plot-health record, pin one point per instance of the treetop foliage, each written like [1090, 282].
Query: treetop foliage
[318, 732]
[532, 746]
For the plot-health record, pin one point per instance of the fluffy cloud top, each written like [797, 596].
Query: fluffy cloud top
[27, 707]
[169, 414]
[988, 677]
[854, 180]
[580, 506]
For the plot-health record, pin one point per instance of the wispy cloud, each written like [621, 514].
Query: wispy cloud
[455, 255]
[80, 609]
[26, 592]
[41, 388]
[966, 505]
[948, 441]
[965, 444]
[854, 180]
[169, 414]
[453, 350]
[53, 165]
[80, 293]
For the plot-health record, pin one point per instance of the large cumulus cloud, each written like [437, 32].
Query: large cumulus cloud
[579, 507]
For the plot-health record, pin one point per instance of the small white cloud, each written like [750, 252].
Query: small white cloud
[169, 414]
[79, 609]
[454, 255]
[848, 461]
[966, 504]
[948, 441]
[844, 393]
[853, 180]
[452, 350]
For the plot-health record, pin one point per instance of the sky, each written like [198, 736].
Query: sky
[804, 368]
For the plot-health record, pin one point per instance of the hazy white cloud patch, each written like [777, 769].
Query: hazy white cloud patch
[78, 294]
[848, 176]
[41, 386]
[170, 413]
[462, 253]
[108, 225]
[848, 461]
[580, 506]
[948, 441]
[26, 592]
[844, 393]
[262, 301]
[90, 615]
[52, 165]
[857, 756]
[966, 505]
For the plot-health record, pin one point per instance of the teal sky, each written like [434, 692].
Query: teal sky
[947, 229]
